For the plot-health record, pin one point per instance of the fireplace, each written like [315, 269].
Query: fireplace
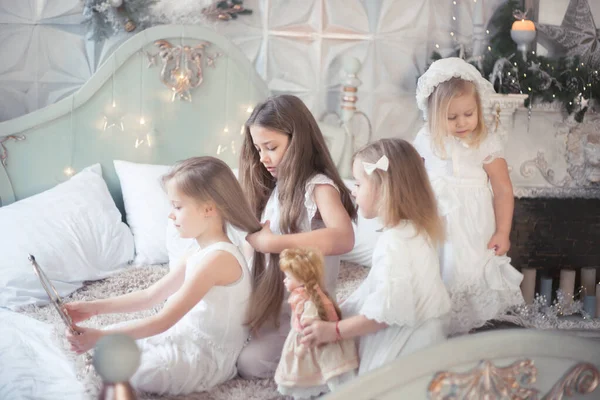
[554, 165]
[550, 234]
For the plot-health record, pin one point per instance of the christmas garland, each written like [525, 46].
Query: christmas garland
[565, 80]
[105, 18]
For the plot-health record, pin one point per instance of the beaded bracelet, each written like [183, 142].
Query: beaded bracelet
[338, 335]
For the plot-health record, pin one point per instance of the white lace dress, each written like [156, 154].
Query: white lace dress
[482, 286]
[200, 351]
[403, 289]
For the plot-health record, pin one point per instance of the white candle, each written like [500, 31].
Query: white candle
[528, 284]
[567, 284]
[588, 280]
[598, 300]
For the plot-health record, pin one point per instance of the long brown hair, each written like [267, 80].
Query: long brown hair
[405, 192]
[210, 179]
[438, 104]
[306, 155]
[307, 265]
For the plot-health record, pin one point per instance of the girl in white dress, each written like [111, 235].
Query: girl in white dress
[293, 186]
[463, 157]
[193, 342]
[402, 306]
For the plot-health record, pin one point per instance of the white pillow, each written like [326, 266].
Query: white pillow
[366, 234]
[75, 232]
[146, 209]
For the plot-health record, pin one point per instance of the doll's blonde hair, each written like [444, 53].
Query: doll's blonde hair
[438, 104]
[404, 189]
[306, 265]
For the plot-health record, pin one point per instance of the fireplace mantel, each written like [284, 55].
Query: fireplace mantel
[549, 154]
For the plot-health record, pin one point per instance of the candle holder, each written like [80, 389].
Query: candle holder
[522, 32]
[348, 117]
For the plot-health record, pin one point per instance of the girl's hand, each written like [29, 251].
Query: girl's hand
[500, 243]
[261, 240]
[85, 340]
[80, 310]
[318, 332]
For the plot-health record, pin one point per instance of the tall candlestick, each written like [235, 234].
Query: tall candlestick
[598, 300]
[567, 284]
[588, 280]
[589, 305]
[546, 289]
[528, 284]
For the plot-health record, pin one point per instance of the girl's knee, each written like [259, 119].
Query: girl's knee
[258, 360]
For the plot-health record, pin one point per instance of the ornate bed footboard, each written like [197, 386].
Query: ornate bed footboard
[495, 365]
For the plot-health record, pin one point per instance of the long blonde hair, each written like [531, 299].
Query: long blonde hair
[210, 179]
[404, 189]
[306, 155]
[307, 265]
[438, 104]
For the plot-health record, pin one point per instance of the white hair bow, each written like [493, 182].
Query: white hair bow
[383, 164]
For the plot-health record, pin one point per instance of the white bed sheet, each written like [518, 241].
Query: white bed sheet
[32, 365]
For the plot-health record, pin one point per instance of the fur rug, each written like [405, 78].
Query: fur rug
[137, 278]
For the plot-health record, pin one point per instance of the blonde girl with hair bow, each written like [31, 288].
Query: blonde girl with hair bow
[402, 306]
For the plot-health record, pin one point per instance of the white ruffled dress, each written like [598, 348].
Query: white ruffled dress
[404, 290]
[482, 286]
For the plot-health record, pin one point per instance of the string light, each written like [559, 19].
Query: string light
[69, 171]
[437, 46]
[113, 119]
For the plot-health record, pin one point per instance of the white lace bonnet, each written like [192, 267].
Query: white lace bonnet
[443, 70]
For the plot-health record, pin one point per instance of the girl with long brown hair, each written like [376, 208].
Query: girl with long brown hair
[193, 342]
[402, 305]
[293, 186]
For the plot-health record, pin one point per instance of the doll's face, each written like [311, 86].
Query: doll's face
[291, 282]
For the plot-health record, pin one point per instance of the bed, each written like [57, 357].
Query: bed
[79, 189]
[501, 364]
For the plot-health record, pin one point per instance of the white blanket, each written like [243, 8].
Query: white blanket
[32, 365]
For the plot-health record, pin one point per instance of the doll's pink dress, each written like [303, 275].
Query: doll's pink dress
[309, 371]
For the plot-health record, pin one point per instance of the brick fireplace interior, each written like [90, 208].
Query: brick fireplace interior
[551, 234]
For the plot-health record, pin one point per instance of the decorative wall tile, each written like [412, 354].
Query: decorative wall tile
[297, 46]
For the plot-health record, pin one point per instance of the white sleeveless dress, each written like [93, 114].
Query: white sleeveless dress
[200, 351]
[482, 286]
